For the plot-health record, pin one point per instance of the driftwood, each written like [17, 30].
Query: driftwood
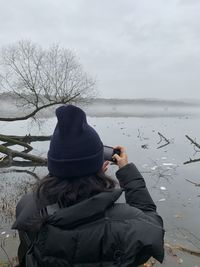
[171, 250]
[196, 146]
[14, 141]
[193, 142]
[196, 184]
[191, 161]
[181, 248]
[9, 154]
[20, 163]
[14, 153]
[30, 138]
[162, 137]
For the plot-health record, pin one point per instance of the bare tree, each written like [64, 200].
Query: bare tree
[38, 79]
[41, 78]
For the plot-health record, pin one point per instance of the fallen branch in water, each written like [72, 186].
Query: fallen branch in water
[192, 182]
[193, 141]
[11, 154]
[162, 137]
[172, 248]
[196, 145]
[191, 161]
[7, 159]
[20, 163]
[30, 138]
[10, 141]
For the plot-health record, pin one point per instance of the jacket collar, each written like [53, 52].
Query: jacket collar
[85, 211]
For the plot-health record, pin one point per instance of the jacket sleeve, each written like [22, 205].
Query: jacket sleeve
[137, 195]
[136, 192]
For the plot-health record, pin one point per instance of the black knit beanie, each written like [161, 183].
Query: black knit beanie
[75, 149]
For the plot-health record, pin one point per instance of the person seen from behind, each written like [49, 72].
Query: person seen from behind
[74, 218]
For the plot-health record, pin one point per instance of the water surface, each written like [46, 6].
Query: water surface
[136, 127]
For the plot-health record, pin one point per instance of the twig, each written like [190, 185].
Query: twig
[183, 249]
[196, 145]
[37, 109]
[167, 142]
[192, 141]
[191, 161]
[162, 137]
[163, 146]
[139, 134]
[192, 182]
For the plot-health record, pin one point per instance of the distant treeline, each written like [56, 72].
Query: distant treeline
[136, 101]
[147, 101]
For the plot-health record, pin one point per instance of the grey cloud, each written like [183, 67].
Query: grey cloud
[135, 48]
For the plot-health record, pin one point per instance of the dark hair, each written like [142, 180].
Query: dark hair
[68, 192]
[71, 191]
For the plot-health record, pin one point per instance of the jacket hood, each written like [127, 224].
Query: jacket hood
[84, 211]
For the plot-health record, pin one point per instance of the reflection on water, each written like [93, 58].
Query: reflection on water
[177, 200]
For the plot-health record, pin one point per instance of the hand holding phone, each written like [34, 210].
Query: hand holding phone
[121, 159]
[116, 154]
[109, 152]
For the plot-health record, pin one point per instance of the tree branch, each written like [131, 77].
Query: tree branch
[20, 163]
[42, 78]
[162, 137]
[191, 161]
[14, 153]
[192, 182]
[192, 141]
[195, 145]
[32, 114]
[30, 138]
[12, 141]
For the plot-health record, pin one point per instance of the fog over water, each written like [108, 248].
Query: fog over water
[114, 108]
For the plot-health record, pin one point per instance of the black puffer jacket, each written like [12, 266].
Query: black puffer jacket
[99, 231]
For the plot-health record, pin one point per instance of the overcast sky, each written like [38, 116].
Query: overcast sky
[134, 48]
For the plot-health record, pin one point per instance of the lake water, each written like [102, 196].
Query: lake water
[136, 127]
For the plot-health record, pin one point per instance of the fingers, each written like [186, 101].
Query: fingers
[121, 159]
[121, 148]
[105, 166]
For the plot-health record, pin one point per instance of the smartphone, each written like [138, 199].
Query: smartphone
[109, 152]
